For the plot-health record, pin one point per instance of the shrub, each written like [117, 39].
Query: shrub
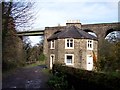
[42, 57]
[83, 79]
[58, 82]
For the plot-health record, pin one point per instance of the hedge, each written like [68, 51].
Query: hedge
[83, 79]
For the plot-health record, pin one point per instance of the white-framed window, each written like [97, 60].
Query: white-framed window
[69, 43]
[69, 59]
[52, 44]
[89, 44]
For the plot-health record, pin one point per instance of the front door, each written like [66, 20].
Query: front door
[89, 62]
[52, 58]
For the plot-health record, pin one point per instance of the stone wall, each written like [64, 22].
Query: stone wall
[80, 52]
[47, 33]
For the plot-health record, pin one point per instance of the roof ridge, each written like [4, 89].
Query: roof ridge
[62, 32]
[78, 31]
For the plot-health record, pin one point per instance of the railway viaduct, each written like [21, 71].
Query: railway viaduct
[101, 30]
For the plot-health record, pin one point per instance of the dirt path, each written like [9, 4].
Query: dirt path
[32, 77]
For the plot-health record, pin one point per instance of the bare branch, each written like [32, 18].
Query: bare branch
[21, 12]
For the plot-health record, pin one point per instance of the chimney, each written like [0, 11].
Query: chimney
[74, 23]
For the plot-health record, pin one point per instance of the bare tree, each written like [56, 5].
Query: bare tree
[21, 12]
[15, 16]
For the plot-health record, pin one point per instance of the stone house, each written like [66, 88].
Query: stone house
[70, 46]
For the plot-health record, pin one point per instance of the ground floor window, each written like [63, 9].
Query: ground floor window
[69, 59]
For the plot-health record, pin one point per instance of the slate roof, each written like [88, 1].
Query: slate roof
[72, 32]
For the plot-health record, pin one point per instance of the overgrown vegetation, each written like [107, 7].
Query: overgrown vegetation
[71, 78]
[14, 16]
[58, 82]
[109, 56]
[33, 54]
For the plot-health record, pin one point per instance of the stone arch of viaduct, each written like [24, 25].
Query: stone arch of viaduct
[101, 30]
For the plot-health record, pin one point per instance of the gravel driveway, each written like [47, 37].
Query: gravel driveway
[27, 78]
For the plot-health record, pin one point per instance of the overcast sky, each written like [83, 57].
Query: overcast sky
[54, 12]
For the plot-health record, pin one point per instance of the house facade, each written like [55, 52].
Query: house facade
[70, 46]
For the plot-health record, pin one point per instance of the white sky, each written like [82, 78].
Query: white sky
[53, 12]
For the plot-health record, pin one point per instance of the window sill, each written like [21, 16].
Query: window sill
[69, 64]
[69, 48]
[89, 48]
[52, 48]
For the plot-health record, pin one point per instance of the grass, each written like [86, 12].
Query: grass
[35, 64]
[47, 71]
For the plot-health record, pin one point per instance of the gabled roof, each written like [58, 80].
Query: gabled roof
[72, 32]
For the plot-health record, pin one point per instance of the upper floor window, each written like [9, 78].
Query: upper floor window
[52, 44]
[90, 44]
[69, 43]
